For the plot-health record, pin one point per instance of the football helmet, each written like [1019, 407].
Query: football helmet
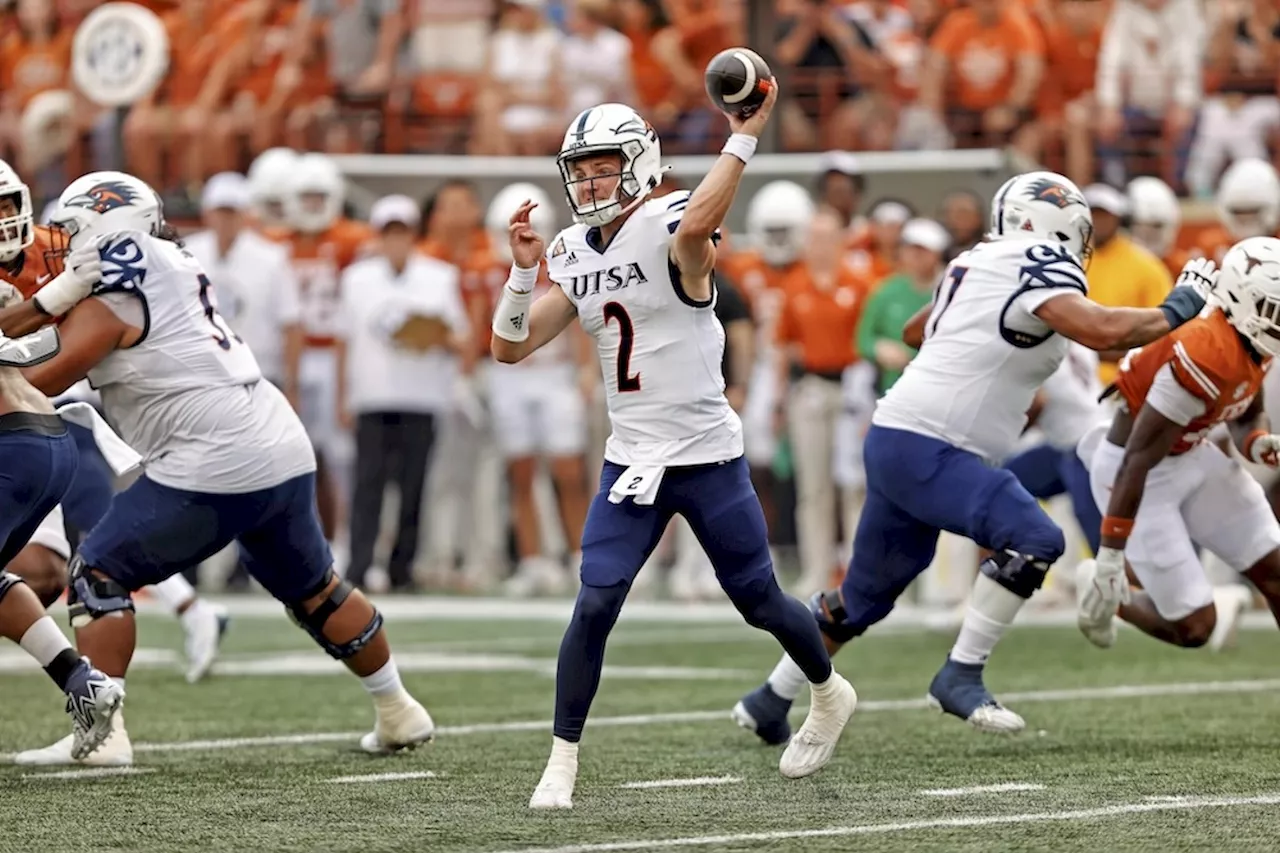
[1248, 289]
[106, 202]
[314, 175]
[777, 217]
[1249, 199]
[505, 203]
[1154, 214]
[1044, 205]
[17, 229]
[269, 179]
[608, 129]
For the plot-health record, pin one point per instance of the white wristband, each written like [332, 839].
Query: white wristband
[511, 318]
[61, 295]
[522, 280]
[740, 145]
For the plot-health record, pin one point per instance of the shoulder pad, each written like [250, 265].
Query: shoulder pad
[30, 350]
[124, 266]
[1045, 264]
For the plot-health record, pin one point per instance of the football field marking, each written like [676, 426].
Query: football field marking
[682, 783]
[87, 773]
[381, 777]
[1187, 804]
[1001, 788]
[1122, 691]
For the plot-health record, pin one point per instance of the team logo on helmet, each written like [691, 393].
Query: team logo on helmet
[1250, 262]
[1053, 192]
[100, 198]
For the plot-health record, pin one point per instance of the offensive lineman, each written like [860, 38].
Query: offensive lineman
[637, 273]
[998, 327]
[226, 459]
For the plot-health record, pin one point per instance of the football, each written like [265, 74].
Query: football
[738, 80]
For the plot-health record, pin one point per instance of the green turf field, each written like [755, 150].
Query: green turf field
[1143, 747]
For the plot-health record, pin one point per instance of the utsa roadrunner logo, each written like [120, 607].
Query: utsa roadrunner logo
[1054, 193]
[108, 195]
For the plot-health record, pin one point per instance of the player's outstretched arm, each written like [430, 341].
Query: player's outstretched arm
[90, 332]
[82, 270]
[521, 324]
[547, 317]
[692, 250]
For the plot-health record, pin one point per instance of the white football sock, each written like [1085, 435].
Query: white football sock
[44, 641]
[991, 611]
[384, 682]
[563, 750]
[174, 592]
[787, 679]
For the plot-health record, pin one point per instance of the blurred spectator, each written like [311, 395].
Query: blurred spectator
[1073, 39]
[34, 59]
[898, 35]
[404, 327]
[1154, 219]
[875, 255]
[964, 215]
[522, 97]
[455, 235]
[654, 44]
[985, 66]
[1149, 87]
[256, 290]
[840, 187]
[830, 61]
[898, 298]
[596, 60]
[1243, 114]
[1121, 273]
[816, 333]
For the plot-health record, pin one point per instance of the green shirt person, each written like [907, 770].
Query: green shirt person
[899, 297]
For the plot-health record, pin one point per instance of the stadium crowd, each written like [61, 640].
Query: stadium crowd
[1177, 94]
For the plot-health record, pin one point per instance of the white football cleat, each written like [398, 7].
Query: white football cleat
[204, 624]
[1231, 602]
[829, 711]
[1097, 625]
[555, 788]
[115, 751]
[402, 723]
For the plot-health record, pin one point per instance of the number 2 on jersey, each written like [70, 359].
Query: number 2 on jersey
[955, 275]
[626, 342]
[223, 335]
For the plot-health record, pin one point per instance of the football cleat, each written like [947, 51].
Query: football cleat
[555, 788]
[205, 624]
[830, 707]
[402, 723]
[1231, 602]
[765, 713]
[115, 751]
[958, 690]
[92, 700]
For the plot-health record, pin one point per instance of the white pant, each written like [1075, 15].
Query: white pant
[537, 411]
[1200, 498]
[757, 417]
[318, 393]
[52, 534]
[466, 511]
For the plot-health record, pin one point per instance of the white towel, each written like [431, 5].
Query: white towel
[640, 483]
[121, 457]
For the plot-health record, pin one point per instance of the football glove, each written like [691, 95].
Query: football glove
[83, 270]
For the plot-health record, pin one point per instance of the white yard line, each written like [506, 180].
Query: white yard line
[1123, 691]
[696, 782]
[88, 773]
[382, 777]
[1001, 788]
[1190, 803]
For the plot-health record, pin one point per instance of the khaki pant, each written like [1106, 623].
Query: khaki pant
[813, 408]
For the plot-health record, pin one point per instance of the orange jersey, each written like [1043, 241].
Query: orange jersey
[1210, 361]
[476, 267]
[1176, 260]
[1072, 63]
[823, 323]
[983, 60]
[194, 47]
[751, 274]
[35, 266]
[1214, 243]
[318, 261]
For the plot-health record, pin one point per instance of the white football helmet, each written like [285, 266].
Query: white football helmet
[17, 230]
[777, 218]
[314, 174]
[1249, 199]
[269, 176]
[1248, 289]
[1045, 205]
[607, 129]
[106, 202]
[1154, 215]
[505, 203]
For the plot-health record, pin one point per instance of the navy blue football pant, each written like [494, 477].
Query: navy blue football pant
[1047, 472]
[38, 461]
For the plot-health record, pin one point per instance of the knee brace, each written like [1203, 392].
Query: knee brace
[90, 597]
[828, 608]
[313, 622]
[8, 581]
[1021, 574]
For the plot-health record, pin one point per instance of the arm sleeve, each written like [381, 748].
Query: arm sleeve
[1047, 271]
[1168, 397]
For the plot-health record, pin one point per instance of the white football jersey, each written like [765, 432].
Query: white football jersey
[189, 395]
[660, 351]
[1071, 406]
[985, 352]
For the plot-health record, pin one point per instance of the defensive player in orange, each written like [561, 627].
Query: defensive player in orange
[1248, 206]
[1166, 490]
